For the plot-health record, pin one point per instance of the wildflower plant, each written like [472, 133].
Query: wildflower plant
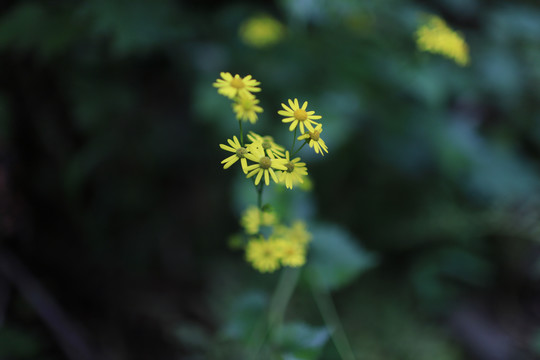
[269, 244]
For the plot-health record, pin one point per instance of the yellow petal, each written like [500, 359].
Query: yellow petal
[258, 178]
[227, 148]
[266, 178]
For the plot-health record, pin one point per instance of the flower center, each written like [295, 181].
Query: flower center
[300, 115]
[241, 152]
[266, 145]
[265, 162]
[237, 83]
[315, 135]
[289, 166]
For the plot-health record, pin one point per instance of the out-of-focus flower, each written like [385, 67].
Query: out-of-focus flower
[253, 218]
[296, 233]
[292, 254]
[436, 37]
[261, 31]
[231, 87]
[246, 107]
[264, 255]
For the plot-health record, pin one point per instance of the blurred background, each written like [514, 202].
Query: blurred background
[115, 213]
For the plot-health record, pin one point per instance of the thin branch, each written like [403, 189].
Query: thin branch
[331, 318]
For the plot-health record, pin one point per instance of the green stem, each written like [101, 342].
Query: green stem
[300, 148]
[284, 290]
[257, 337]
[294, 139]
[259, 188]
[278, 304]
[331, 318]
[241, 132]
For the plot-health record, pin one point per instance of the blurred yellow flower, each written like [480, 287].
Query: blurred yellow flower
[293, 174]
[291, 253]
[264, 255]
[298, 115]
[264, 166]
[239, 153]
[271, 148]
[246, 107]
[231, 87]
[261, 31]
[436, 37]
[296, 233]
[315, 141]
[253, 218]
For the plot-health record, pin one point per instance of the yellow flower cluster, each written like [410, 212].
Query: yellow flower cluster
[261, 31]
[436, 37]
[269, 160]
[268, 244]
[286, 246]
[253, 219]
[305, 120]
[240, 90]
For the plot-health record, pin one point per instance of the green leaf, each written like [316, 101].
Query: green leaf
[336, 258]
[244, 314]
[299, 341]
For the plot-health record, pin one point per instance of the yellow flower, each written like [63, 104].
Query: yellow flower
[264, 166]
[293, 174]
[246, 107]
[231, 87]
[253, 218]
[264, 255]
[261, 31]
[315, 141]
[292, 253]
[239, 151]
[436, 37]
[272, 149]
[296, 233]
[296, 115]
